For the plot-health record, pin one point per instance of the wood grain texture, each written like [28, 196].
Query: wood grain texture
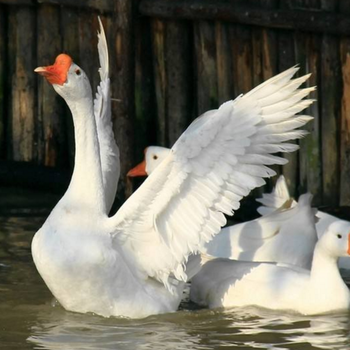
[51, 140]
[330, 96]
[3, 96]
[70, 39]
[205, 66]
[344, 7]
[243, 12]
[308, 53]
[286, 60]
[123, 82]
[178, 75]
[22, 84]
[158, 38]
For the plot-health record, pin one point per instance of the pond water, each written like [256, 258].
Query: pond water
[31, 319]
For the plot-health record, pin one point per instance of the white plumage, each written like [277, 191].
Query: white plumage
[135, 263]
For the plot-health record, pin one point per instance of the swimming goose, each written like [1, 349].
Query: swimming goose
[226, 283]
[136, 262]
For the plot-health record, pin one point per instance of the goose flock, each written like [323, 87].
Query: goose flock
[137, 262]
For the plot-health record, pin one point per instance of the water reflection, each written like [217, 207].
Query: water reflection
[29, 319]
[200, 329]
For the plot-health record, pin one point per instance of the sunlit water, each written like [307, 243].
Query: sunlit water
[31, 319]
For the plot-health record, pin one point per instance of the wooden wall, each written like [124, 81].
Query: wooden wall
[170, 62]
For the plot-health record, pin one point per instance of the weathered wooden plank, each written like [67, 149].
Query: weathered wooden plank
[224, 62]
[22, 84]
[145, 99]
[308, 56]
[123, 83]
[158, 28]
[344, 7]
[88, 55]
[51, 124]
[18, 2]
[330, 95]
[205, 62]
[2, 80]
[287, 60]
[70, 40]
[105, 6]
[178, 75]
[295, 19]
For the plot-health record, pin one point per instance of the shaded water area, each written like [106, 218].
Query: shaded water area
[30, 318]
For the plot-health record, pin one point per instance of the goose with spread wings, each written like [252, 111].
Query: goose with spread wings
[136, 262]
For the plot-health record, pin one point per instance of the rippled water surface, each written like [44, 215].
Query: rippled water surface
[31, 319]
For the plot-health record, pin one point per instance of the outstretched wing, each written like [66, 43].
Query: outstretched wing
[109, 152]
[219, 159]
[274, 200]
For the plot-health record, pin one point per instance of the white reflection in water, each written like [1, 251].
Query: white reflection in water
[249, 328]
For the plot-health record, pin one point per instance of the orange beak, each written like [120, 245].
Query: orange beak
[139, 170]
[57, 73]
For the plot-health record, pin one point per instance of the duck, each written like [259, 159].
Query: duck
[228, 283]
[136, 262]
[280, 235]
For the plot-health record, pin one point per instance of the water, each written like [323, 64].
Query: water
[31, 319]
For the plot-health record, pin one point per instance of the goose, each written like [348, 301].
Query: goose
[280, 194]
[136, 262]
[227, 283]
[281, 235]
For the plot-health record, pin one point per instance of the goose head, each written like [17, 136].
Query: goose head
[336, 240]
[67, 78]
[154, 155]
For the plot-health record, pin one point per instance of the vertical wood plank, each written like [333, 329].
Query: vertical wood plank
[22, 83]
[123, 83]
[269, 57]
[287, 60]
[70, 41]
[178, 75]
[224, 63]
[51, 131]
[88, 55]
[330, 94]
[2, 80]
[205, 57]
[145, 103]
[344, 7]
[308, 55]
[241, 40]
[158, 28]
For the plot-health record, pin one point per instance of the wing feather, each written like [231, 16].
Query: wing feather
[109, 152]
[219, 159]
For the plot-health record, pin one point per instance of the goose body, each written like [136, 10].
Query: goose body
[226, 283]
[136, 262]
[280, 194]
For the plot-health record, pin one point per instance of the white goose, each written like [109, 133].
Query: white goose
[280, 194]
[136, 263]
[225, 283]
[284, 236]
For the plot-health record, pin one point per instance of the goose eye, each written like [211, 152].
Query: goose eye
[339, 235]
[77, 72]
[155, 157]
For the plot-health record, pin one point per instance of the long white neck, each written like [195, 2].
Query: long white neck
[86, 186]
[325, 275]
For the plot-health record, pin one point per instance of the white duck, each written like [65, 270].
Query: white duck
[136, 263]
[284, 236]
[224, 282]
